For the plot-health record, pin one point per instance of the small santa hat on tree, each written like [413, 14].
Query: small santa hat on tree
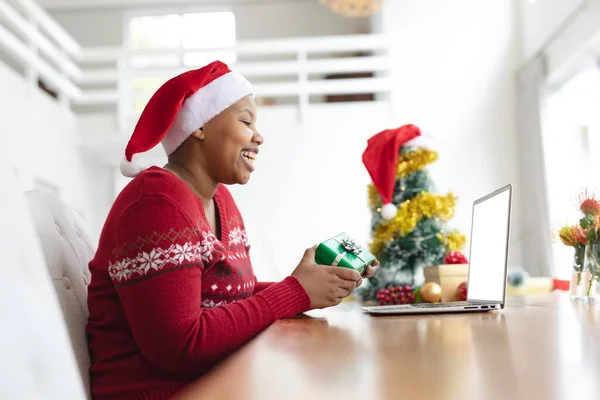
[381, 160]
[181, 106]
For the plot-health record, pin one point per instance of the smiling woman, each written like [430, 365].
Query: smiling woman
[229, 145]
[173, 290]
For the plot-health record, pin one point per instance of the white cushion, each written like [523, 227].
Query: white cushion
[68, 249]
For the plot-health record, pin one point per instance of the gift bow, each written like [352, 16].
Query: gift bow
[350, 246]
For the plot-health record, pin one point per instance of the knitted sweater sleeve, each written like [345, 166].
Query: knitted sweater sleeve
[260, 286]
[157, 271]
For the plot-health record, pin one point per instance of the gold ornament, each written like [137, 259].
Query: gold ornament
[353, 8]
[410, 212]
[431, 292]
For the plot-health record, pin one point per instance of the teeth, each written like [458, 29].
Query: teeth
[248, 155]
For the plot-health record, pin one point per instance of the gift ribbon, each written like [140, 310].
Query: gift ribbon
[339, 257]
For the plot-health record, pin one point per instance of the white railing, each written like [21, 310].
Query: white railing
[298, 68]
[286, 68]
[45, 50]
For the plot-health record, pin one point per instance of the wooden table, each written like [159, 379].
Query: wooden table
[539, 347]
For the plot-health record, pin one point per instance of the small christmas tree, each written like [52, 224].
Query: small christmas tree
[408, 222]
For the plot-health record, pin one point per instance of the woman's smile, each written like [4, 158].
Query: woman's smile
[249, 157]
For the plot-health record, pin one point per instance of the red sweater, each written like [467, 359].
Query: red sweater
[168, 300]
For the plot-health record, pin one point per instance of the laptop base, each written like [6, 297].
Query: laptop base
[432, 308]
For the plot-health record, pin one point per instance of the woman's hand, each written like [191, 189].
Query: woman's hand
[326, 285]
[368, 272]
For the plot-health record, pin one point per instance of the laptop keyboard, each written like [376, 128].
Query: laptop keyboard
[440, 305]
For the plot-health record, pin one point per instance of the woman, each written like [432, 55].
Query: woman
[172, 290]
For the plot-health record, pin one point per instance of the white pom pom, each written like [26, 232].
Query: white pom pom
[389, 211]
[131, 169]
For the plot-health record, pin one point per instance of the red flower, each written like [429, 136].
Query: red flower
[579, 235]
[588, 203]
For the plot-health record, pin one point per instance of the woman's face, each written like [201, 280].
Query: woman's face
[230, 143]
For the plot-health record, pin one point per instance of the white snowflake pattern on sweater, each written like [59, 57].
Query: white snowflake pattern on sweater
[238, 236]
[208, 246]
[209, 303]
[157, 258]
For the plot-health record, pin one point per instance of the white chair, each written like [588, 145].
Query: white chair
[68, 249]
[37, 361]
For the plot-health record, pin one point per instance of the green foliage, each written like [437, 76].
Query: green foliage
[586, 221]
[590, 226]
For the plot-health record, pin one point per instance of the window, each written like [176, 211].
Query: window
[571, 128]
[197, 38]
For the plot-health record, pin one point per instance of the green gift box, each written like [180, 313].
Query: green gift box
[343, 251]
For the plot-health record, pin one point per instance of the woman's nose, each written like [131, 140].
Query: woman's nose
[257, 138]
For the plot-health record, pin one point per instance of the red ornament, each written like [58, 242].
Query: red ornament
[461, 292]
[395, 295]
[455, 257]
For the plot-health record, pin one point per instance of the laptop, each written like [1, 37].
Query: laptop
[488, 261]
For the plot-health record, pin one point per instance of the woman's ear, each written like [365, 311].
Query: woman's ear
[199, 134]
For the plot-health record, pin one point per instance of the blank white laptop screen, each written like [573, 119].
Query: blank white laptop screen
[489, 236]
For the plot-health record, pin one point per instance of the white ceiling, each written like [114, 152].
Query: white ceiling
[53, 5]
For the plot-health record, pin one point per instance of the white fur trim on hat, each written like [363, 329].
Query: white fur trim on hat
[204, 105]
[131, 169]
[424, 140]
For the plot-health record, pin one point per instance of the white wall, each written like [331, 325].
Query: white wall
[575, 44]
[540, 19]
[103, 27]
[455, 77]
[93, 28]
[566, 31]
[42, 146]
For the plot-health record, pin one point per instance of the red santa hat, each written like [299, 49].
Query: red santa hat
[180, 107]
[381, 160]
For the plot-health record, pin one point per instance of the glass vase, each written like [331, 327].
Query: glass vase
[591, 273]
[577, 281]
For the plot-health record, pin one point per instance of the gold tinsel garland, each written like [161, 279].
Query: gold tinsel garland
[374, 199]
[408, 163]
[410, 212]
[414, 161]
[454, 241]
